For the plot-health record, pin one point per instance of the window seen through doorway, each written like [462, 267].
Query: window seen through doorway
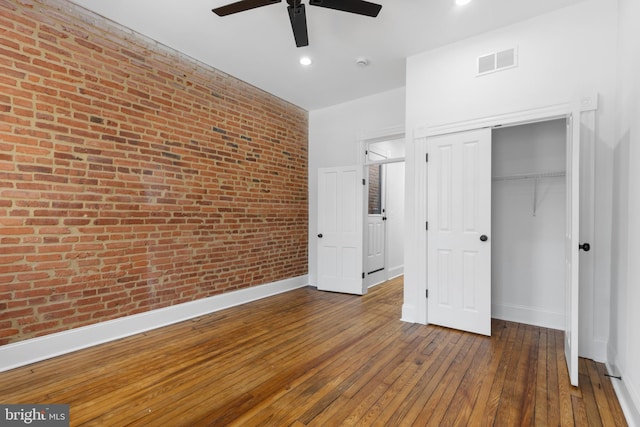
[375, 189]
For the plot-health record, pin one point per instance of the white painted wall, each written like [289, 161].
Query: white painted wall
[562, 56]
[334, 135]
[624, 340]
[527, 249]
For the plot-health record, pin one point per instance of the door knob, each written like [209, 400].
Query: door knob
[484, 238]
[320, 235]
[585, 247]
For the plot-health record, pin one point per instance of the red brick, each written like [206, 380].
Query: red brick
[127, 189]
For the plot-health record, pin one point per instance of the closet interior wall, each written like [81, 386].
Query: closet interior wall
[528, 220]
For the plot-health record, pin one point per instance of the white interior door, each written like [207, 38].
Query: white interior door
[376, 221]
[340, 230]
[459, 230]
[572, 229]
[375, 243]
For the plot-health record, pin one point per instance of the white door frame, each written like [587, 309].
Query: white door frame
[364, 139]
[420, 135]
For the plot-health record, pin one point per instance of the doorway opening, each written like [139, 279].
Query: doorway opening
[384, 210]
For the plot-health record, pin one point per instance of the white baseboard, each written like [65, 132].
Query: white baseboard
[409, 313]
[628, 398]
[628, 395]
[48, 346]
[599, 348]
[396, 271]
[528, 315]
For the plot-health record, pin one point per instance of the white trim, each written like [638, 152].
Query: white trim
[418, 314]
[588, 102]
[48, 346]
[598, 352]
[420, 213]
[382, 134]
[366, 137]
[394, 272]
[528, 315]
[409, 313]
[385, 161]
[628, 398]
[509, 119]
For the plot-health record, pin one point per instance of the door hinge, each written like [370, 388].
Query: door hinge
[427, 225]
[363, 274]
[363, 181]
[427, 293]
[426, 159]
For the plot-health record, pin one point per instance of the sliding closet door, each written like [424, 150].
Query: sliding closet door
[459, 230]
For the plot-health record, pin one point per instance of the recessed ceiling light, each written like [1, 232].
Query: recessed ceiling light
[462, 2]
[305, 60]
[363, 62]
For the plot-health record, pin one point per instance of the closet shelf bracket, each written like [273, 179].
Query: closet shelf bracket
[535, 177]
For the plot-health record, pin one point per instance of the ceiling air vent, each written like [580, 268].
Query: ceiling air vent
[497, 61]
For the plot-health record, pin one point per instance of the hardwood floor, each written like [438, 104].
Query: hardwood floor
[309, 358]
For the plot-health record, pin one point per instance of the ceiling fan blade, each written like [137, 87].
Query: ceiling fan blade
[241, 6]
[360, 7]
[298, 20]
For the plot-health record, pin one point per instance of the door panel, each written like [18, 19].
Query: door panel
[459, 213]
[376, 232]
[572, 228]
[340, 243]
[375, 243]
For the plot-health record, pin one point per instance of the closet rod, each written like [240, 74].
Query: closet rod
[529, 176]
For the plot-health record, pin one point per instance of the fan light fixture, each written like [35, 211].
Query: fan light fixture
[297, 14]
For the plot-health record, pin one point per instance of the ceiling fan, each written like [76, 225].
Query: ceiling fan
[297, 15]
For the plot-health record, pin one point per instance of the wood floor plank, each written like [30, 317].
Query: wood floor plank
[599, 398]
[321, 386]
[614, 404]
[429, 357]
[310, 358]
[435, 409]
[463, 400]
[541, 382]
[484, 407]
[507, 402]
[553, 386]
[427, 396]
[564, 385]
[588, 385]
[579, 412]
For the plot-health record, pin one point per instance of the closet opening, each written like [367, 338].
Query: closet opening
[528, 203]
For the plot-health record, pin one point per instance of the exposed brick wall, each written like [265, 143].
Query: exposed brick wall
[133, 177]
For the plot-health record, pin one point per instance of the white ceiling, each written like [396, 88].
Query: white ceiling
[257, 46]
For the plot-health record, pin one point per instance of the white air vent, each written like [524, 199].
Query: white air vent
[497, 61]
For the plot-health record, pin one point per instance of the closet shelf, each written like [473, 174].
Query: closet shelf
[529, 176]
[535, 177]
